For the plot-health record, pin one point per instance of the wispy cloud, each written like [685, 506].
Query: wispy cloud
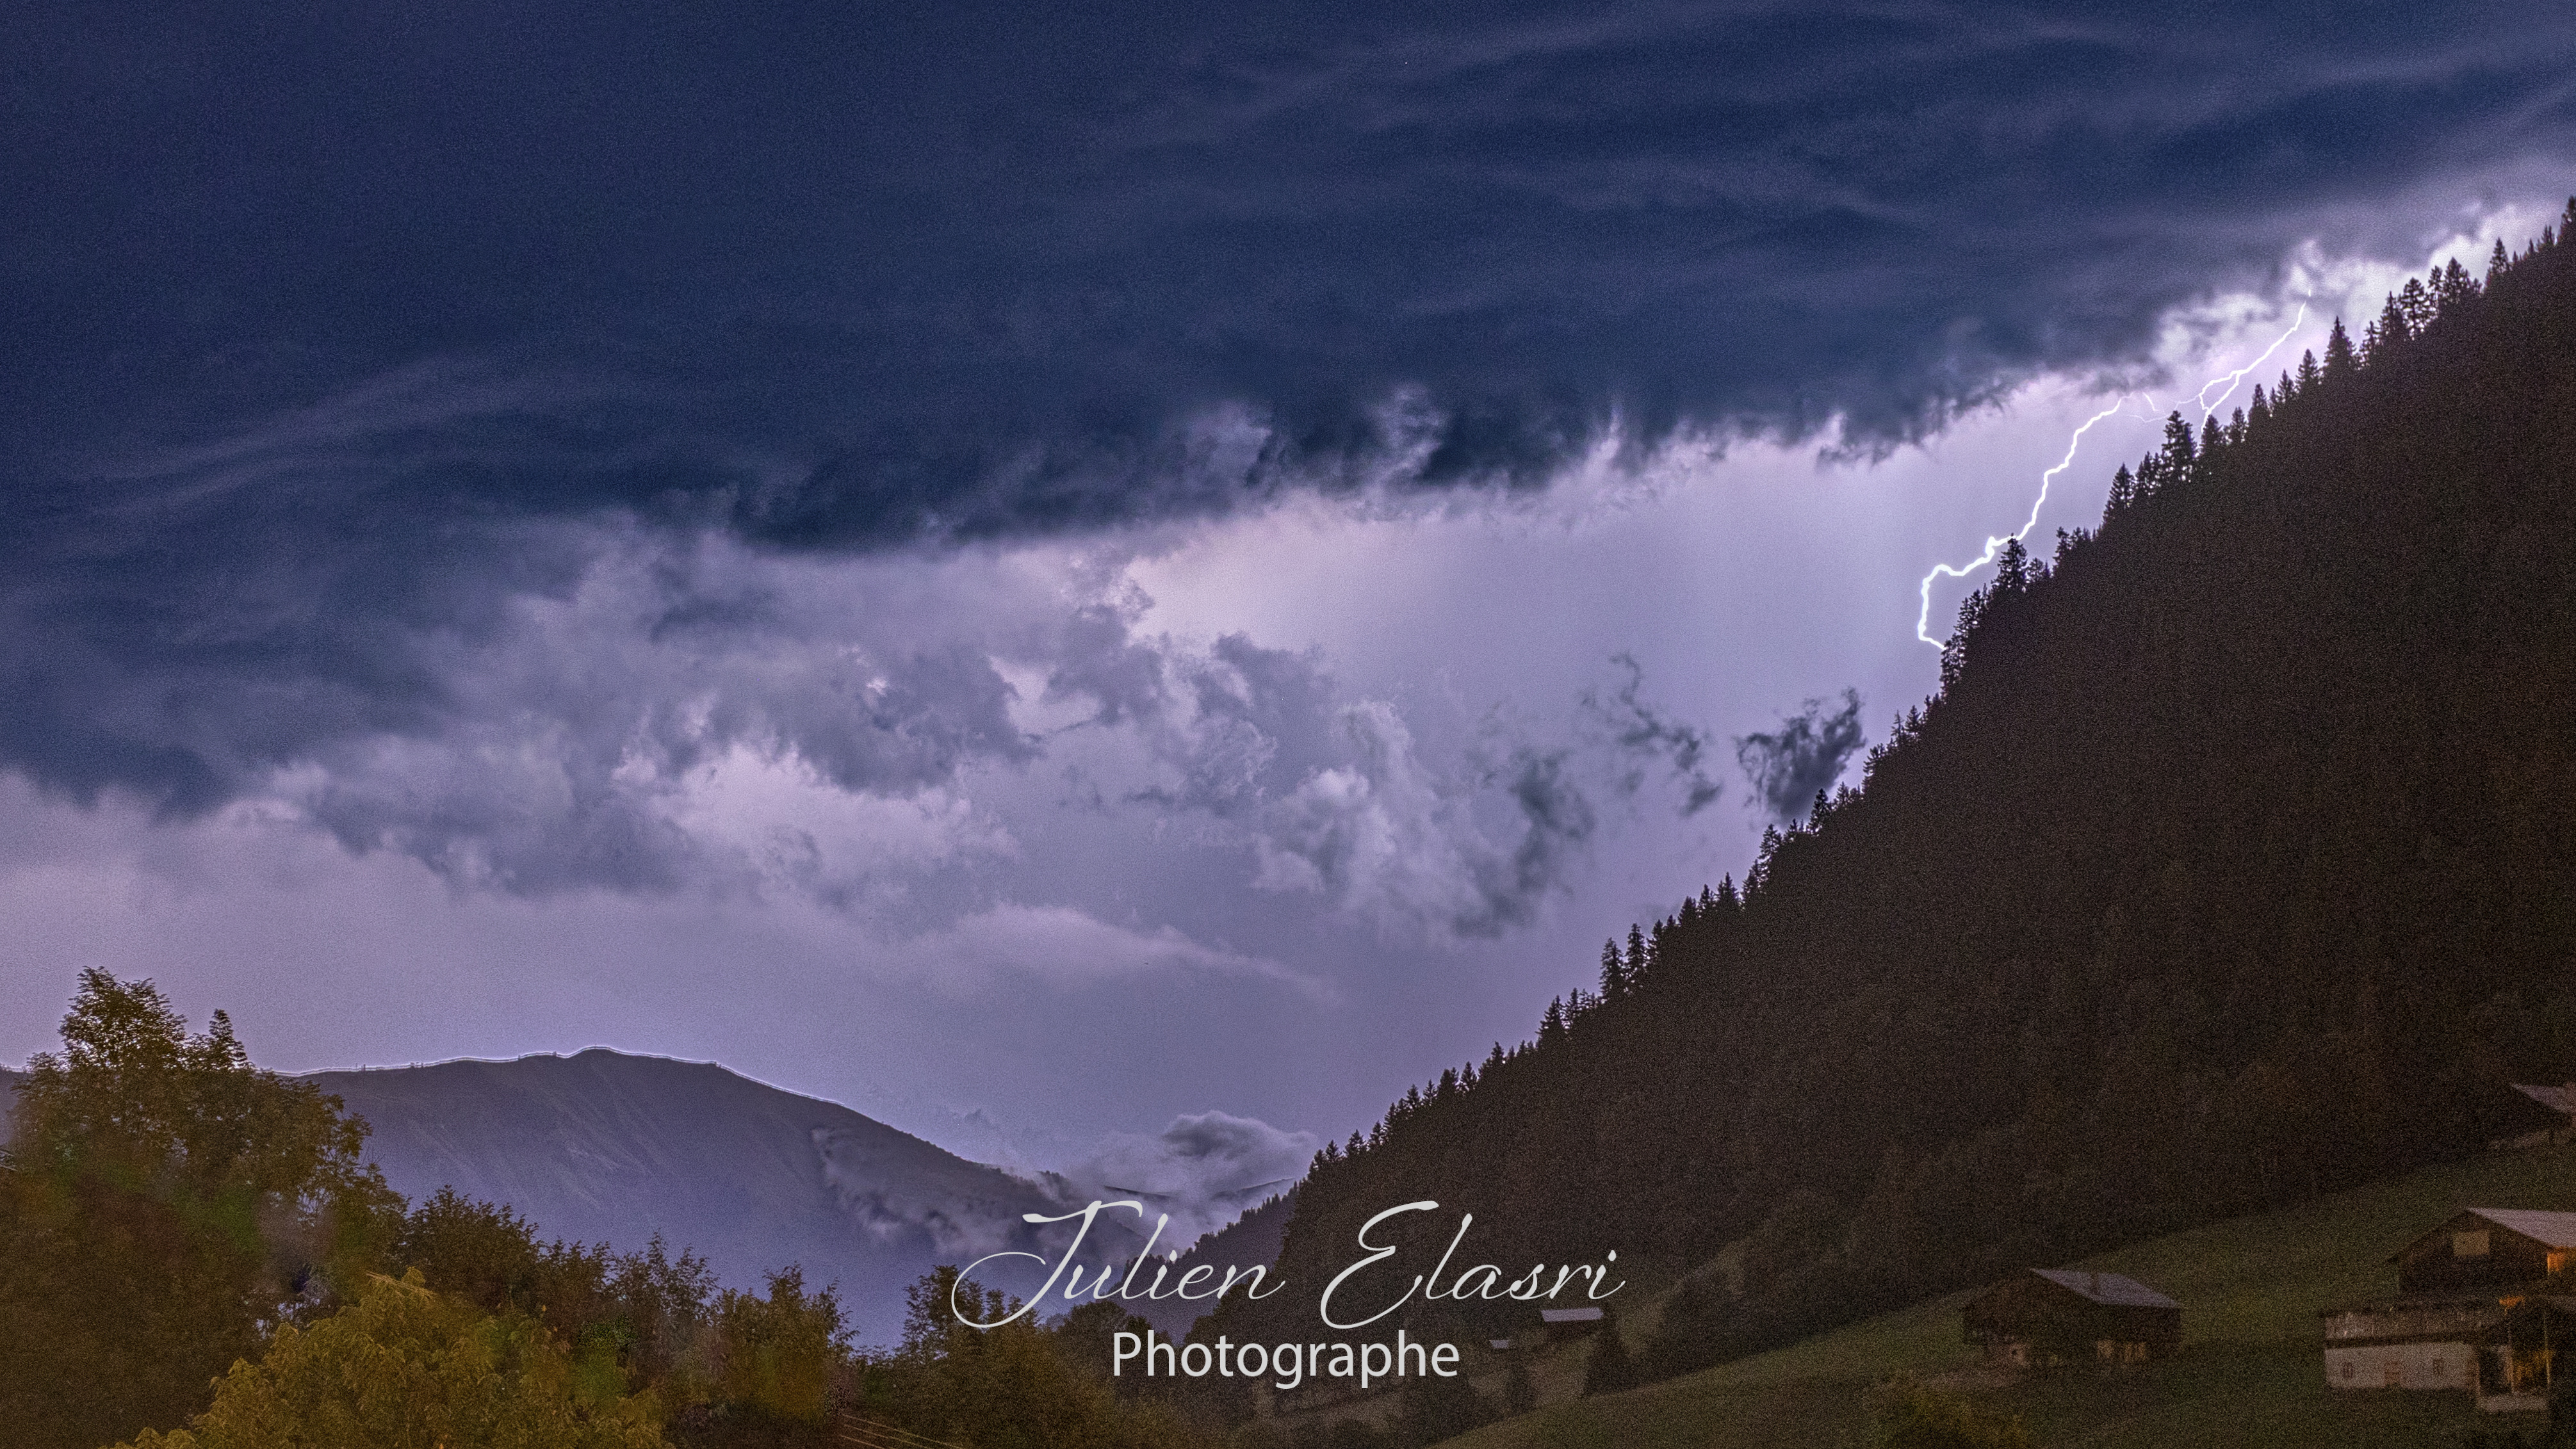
[1806, 754]
[1644, 733]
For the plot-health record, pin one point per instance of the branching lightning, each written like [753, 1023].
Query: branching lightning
[2227, 385]
[2232, 379]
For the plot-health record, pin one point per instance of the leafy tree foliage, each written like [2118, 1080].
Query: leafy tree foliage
[405, 1366]
[779, 1350]
[165, 1202]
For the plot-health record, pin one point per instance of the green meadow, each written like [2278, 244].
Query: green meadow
[2250, 1372]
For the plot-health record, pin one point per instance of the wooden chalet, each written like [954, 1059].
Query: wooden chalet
[2054, 1316]
[2481, 1248]
[2474, 1315]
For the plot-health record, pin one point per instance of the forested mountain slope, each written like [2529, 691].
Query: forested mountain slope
[2235, 862]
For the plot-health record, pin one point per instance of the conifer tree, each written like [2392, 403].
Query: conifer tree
[2012, 568]
[2455, 288]
[1520, 1394]
[2340, 361]
[2416, 302]
[2392, 330]
[2178, 449]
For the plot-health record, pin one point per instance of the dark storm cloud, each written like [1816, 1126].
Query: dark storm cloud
[1788, 766]
[313, 309]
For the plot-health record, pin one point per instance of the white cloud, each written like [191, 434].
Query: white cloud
[1205, 1170]
[1066, 947]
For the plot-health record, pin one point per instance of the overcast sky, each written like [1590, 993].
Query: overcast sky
[1047, 579]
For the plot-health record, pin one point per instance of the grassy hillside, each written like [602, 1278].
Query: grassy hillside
[2249, 1373]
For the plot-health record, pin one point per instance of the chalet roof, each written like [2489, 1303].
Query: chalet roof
[2556, 1099]
[2109, 1288]
[2556, 1230]
[1569, 1315]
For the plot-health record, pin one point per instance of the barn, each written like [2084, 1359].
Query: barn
[2050, 1316]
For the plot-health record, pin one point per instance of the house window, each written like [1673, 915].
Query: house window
[2347, 1370]
[2391, 1371]
[2469, 1245]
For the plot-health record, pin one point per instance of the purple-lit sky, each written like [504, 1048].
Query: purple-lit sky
[1038, 580]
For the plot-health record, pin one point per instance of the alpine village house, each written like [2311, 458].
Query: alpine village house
[2472, 1312]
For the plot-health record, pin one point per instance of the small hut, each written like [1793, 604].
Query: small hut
[2051, 1316]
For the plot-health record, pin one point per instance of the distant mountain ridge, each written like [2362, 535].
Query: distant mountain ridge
[604, 1146]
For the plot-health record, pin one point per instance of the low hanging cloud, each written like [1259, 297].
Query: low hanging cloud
[1206, 1169]
[1789, 765]
[654, 713]
[667, 716]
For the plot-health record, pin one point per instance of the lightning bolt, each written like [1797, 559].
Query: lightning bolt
[2227, 384]
[1923, 620]
[2232, 379]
